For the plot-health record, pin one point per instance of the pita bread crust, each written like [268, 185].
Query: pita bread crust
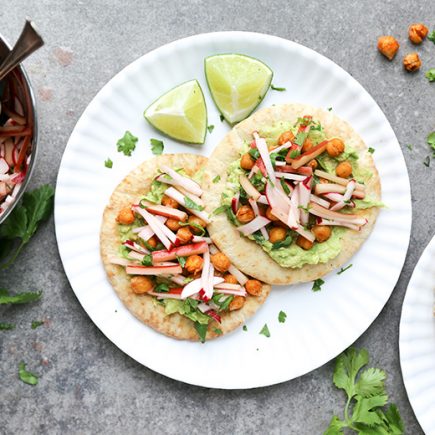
[144, 307]
[245, 254]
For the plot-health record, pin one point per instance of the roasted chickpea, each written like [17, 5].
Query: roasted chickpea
[184, 235]
[230, 279]
[141, 284]
[125, 216]
[197, 221]
[247, 162]
[313, 164]
[253, 287]
[245, 214]
[169, 202]
[321, 232]
[304, 243]
[343, 169]
[152, 241]
[285, 137]
[412, 62]
[277, 234]
[194, 264]
[307, 145]
[334, 147]
[270, 215]
[417, 32]
[323, 181]
[173, 224]
[388, 46]
[236, 303]
[220, 262]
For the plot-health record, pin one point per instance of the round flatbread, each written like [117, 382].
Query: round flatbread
[246, 254]
[144, 307]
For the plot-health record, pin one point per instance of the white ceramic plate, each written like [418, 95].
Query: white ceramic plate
[319, 325]
[417, 340]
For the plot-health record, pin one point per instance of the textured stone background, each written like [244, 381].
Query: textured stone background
[87, 384]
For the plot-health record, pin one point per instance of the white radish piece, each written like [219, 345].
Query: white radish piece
[290, 176]
[253, 226]
[249, 188]
[254, 206]
[179, 197]
[264, 153]
[337, 180]
[190, 185]
[155, 225]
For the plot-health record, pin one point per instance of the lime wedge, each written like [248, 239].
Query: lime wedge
[181, 113]
[237, 84]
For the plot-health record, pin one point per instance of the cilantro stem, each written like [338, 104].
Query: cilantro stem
[346, 412]
[13, 257]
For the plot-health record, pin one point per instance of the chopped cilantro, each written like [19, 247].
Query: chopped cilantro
[317, 285]
[265, 331]
[157, 146]
[410, 146]
[430, 75]
[365, 410]
[283, 243]
[431, 36]
[127, 143]
[162, 288]
[108, 164]
[25, 376]
[20, 298]
[282, 317]
[329, 109]
[305, 209]
[431, 141]
[294, 153]
[210, 128]
[194, 225]
[37, 323]
[6, 326]
[147, 260]
[219, 210]
[254, 153]
[276, 88]
[218, 331]
[426, 161]
[181, 261]
[344, 269]
[371, 150]
[216, 179]
[284, 186]
[245, 328]
[201, 329]
[300, 138]
[192, 204]
[222, 117]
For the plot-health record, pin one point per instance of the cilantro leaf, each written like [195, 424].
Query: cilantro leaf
[335, 426]
[265, 331]
[6, 326]
[245, 328]
[181, 261]
[37, 323]
[277, 88]
[26, 376]
[370, 382]
[344, 269]
[108, 163]
[194, 225]
[127, 143]
[22, 223]
[394, 420]
[430, 75]
[218, 331]
[283, 243]
[157, 146]
[216, 179]
[210, 128]
[329, 109]
[222, 117]
[431, 36]
[201, 329]
[20, 298]
[220, 210]
[192, 204]
[410, 146]
[317, 285]
[147, 260]
[162, 288]
[431, 141]
[282, 316]
[371, 150]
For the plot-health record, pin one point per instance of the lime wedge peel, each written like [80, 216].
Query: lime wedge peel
[180, 113]
[237, 83]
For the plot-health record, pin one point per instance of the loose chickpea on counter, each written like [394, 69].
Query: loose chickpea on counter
[220, 261]
[412, 62]
[141, 284]
[245, 214]
[125, 216]
[334, 147]
[417, 32]
[388, 46]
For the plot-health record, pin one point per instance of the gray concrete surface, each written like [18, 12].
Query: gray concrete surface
[89, 386]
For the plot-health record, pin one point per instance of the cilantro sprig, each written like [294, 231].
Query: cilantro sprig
[430, 74]
[127, 143]
[22, 223]
[26, 376]
[157, 146]
[365, 411]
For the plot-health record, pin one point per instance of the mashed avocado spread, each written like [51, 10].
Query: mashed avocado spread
[293, 256]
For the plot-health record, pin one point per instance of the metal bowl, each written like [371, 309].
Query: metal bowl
[4, 49]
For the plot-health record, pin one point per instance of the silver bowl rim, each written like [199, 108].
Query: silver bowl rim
[34, 152]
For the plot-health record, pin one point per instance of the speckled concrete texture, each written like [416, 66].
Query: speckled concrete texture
[87, 385]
